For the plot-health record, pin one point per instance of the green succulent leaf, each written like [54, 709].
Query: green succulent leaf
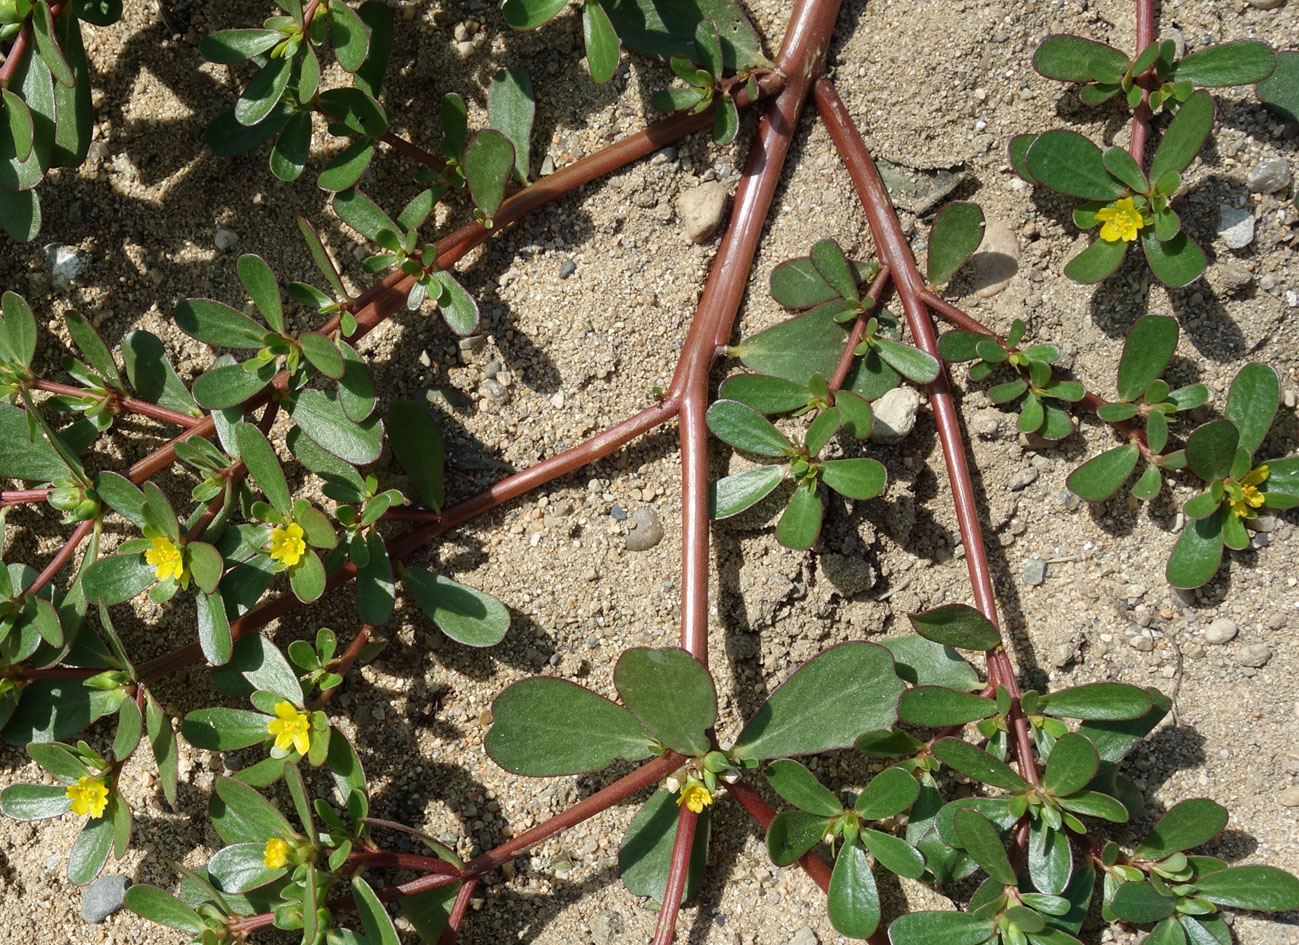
[1146, 353]
[162, 907]
[955, 234]
[511, 106]
[1243, 62]
[958, 625]
[667, 28]
[890, 792]
[1065, 57]
[980, 839]
[936, 707]
[1250, 887]
[1102, 476]
[744, 428]
[978, 764]
[1072, 764]
[792, 833]
[1251, 404]
[800, 524]
[534, 721]
[601, 40]
[853, 902]
[742, 490]
[800, 787]
[417, 443]
[1177, 261]
[1096, 262]
[488, 164]
[1186, 824]
[1280, 91]
[1067, 162]
[1142, 903]
[828, 701]
[643, 677]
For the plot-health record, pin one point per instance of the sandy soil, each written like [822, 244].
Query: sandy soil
[934, 86]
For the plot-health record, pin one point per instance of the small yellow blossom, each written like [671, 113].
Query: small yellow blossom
[276, 854]
[694, 796]
[290, 728]
[89, 796]
[1250, 497]
[287, 546]
[167, 559]
[1121, 221]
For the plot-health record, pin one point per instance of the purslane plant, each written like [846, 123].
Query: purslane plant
[1047, 764]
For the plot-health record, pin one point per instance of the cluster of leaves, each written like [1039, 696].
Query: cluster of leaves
[1039, 394]
[1155, 73]
[1130, 202]
[1143, 396]
[654, 29]
[1220, 452]
[45, 107]
[825, 288]
[225, 551]
[669, 704]
[705, 85]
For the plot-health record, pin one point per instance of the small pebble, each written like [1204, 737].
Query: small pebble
[472, 343]
[805, 936]
[646, 530]
[567, 268]
[1024, 479]
[64, 263]
[224, 239]
[701, 210]
[618, 514]
[1264, 523]
[895, 415]
[103, 897]
[1269, 176]
[1292, 399]
[1265, 4]
[1142, 641]
[1254, 655]
[1222, 630]
[1289, 797]
[1236, 229]
[494, 389]
[1035, 572]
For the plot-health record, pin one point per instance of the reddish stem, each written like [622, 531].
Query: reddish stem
[118, 403]
[457, 914]
[896, 254]
[344, 662]
[1141, 115]
[666, 928]
[23, 496]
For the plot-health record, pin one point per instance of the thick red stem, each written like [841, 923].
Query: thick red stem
[682, 845]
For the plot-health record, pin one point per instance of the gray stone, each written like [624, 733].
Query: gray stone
[1035, 571]
[494, 389]
[605, 927]
[64, 262]
[1222, 630]
[1269, 176]
[1289, 797]
[1230, 277]
[701, 210]
[805, 936]
[472, 343]
[1024, 479]
[1265, 4]
[547, 166]
[567, 268]
[996, 260]
[645, 529]
[224, 239]
[1236, 229]
[1264, 523]
[1254, 655]
[103, 897]
[1142, 640]
[895, 415]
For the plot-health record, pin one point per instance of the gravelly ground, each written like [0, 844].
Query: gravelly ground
[934, 86]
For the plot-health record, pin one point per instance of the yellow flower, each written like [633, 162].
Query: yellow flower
[1121, 221]
[695, 796]
[167, 559]
[89, 796]
[276, 854]
[290, 728]
[287, 546]
[1250, 498]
